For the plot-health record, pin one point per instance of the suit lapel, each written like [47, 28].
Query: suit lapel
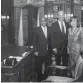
[58, 26]
[66, 26]
[48, 31]
[41, 32]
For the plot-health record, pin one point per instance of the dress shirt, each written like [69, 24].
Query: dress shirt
[44, 30]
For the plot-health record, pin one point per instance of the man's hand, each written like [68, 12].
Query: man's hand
[36, 53]
[31, 46]
[55, 50]
[47, 47]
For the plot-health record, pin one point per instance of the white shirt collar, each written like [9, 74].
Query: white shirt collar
[43, 27]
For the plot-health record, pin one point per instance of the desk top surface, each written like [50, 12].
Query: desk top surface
[12, 50]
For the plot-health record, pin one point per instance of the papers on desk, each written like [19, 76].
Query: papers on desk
[19, 58]
[14, 60]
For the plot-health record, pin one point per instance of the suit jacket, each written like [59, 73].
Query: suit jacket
[40, 42]
[59, 39]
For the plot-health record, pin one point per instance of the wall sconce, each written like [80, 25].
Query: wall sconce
[68, 16]
[8, 17]
[5, 17]
[71, 15]
[45, 16]
[82, 7]
[49, 16]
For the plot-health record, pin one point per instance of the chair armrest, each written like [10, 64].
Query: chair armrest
[60, 67]
[79, 79]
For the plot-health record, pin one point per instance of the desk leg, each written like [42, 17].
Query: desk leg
[22, 75]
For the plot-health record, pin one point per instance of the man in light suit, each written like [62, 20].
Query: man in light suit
[41, 45]
[60, 39]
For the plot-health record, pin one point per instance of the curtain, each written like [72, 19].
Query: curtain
[20, 32]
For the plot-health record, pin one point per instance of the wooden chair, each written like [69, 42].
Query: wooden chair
[78, 74]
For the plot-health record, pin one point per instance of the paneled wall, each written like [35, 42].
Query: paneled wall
[77, 11]
[7, 9]
[68, 7]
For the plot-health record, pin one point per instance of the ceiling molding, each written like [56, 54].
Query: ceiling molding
[22, 3]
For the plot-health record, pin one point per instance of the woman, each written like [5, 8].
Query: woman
[75, 42]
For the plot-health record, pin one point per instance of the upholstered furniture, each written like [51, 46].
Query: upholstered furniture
[78, 74]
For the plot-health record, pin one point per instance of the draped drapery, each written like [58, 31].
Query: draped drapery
[20, 32]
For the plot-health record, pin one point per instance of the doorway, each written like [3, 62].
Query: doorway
[32, 23]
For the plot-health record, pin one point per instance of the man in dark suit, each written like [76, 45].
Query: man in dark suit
[60, 39]
[41, 45]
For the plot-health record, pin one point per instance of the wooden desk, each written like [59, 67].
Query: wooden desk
[26, 66]
[12, 50]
